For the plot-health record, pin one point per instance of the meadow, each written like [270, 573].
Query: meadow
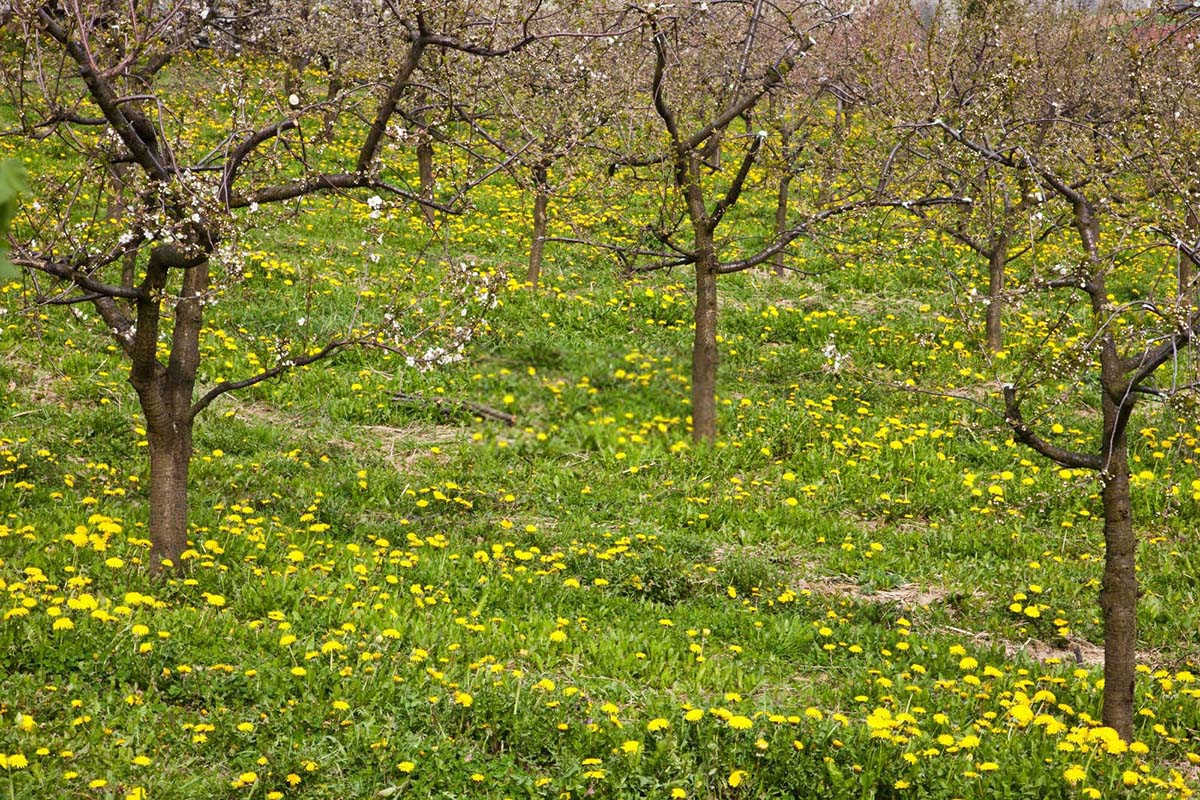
[863, 588]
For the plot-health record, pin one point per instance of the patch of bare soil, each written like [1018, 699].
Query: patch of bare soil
[910, 595]
[1079, 651]
[399, 446]
[36, 383]
[1074, 651]
[262, 412]
[403, 446]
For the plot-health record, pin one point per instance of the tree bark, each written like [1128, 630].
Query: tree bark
[333, 89]
[1187, 270]
[541, 199]
[165, 395]
[170, 457]
[781, 209]
[704, 347]
[425, 171]
[710, 154]
[1119, 592]
[997, 262]
[704, 341]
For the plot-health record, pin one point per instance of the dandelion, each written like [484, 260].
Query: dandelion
[245, 779]
[1074, 774]
[1021, 714]
[13, 761]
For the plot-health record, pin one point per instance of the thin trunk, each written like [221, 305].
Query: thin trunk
[781, 209]
[541, 199]
[1119, 592]
[1187, 276]
[128, 269]
[425, 170]
[119, 176]
[704, 342]
[997, 261]
[711, 152]
[837, 147]
[704, 347]
[293, 76]
[1187, 270]
[331, 113]
[116, 211]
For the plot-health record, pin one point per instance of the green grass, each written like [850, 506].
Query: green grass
[851, 588]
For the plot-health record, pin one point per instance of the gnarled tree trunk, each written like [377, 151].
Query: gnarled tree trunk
[165, 395]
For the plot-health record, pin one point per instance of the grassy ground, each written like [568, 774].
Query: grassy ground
[858, 591]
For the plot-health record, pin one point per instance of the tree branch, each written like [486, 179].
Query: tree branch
[84, 281]
[132, 128]
[290, 363]
[244, 149]
[1024, 434]
[739, 180]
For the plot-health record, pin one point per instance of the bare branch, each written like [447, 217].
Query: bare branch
[1024, 434]
[283, 366]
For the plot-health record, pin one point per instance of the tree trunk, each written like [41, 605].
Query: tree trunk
[333, 89]
[425, 171]
[997, 261]
[293, 76]
[1187, 271]
[710, 153]
[704, 342]
[165, 395]
[1187, 275]
[541, 199]
[781, 209]
[704, 348]
[1119, 592]
[170, 456]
